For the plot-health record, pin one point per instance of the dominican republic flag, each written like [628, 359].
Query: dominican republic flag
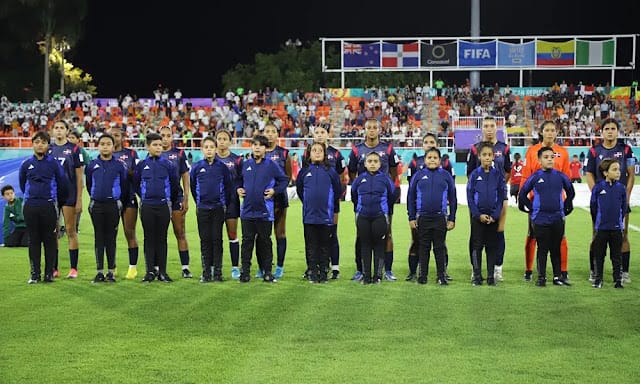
[400, 55]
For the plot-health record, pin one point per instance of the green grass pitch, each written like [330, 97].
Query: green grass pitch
[294, 332]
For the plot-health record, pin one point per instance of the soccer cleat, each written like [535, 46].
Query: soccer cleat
[132, 273]
[335, 274]
[165, 278]
[541, 282]
[592, 276]
[560, 281]
[476, 282]
[422, 280]
[279, 272]
[389, 276]
[528, 276]
[358, 276]
[35, 279]
[491, 281]
[410, 277]
[111, 278]
[564, 276]
[497, 273]
[48, 279]
[626, 278]
[618, 284]
[446, 276]
[217, 277]
[99, 278]
[269, 278]
[186, 274]
[205, 278]
[235, 273]
[73, 273]
[56, 273]
[259, 274]
[245, 277]
[365, 280]
[442, 281]
[149, 277]
[597, 283]
[376, 280]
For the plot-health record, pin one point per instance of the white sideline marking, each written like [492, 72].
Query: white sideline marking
[631, 226]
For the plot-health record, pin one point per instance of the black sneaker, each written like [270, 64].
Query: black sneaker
[186, 274]
[565, 277]
[245, 277]
[442, 281]
[268, 278]
[365, 280]
[306, 275]
[376, 280]
[558, 281]
[528, 276]
[491, 281]
[476, 282]
[217, 277]
[541, 282]
[165, 278]
[597, 283]
[110, 277]
[410, 277]
[99, 278]
[205, 279]
[148, 277]
[335, 274]
[35, 279]
[48, 279]
[618, 285]
[447, 277]
[422, 280]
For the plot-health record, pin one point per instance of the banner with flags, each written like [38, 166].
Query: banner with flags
[477, 54]
[595, 53]
[400, 55]
[439, 55]
[553, 53]
[516, 55]
[361, 55]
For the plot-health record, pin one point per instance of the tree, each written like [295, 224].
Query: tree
[25, 23]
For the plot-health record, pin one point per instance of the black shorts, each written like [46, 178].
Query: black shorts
[515, 188]
[71, 198]
[281, 200]
[233, 209]
[131, 202]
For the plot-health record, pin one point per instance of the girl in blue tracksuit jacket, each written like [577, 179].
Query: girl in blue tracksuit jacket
[372, 198]
[486, 191]
[108, 186]
[212, 189]
[548, 210]
[608, 207]
[318, 187]
[260, 179]
[430, 192]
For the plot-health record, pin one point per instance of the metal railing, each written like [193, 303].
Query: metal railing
[404, 142]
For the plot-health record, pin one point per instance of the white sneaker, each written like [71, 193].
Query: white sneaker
[625, 277]
[497, 273]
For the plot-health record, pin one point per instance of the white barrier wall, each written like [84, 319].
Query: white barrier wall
[581, 200]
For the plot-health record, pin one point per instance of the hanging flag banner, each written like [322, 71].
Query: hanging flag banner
[439, 55]
[400, 55]
[477, 54]
[595, 53]
[361, 55]
[555, 53]
[516, 55]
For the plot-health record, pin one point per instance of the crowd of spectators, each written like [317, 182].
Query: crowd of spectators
[578, 109]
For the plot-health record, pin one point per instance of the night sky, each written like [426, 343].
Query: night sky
[131, 47]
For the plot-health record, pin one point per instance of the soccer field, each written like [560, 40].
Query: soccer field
[73, 331]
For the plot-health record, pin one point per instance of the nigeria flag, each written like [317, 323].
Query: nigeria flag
[595, 53]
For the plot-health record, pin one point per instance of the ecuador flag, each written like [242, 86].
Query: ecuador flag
[560, 53]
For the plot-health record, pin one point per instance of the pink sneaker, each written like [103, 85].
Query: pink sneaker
[73, 273]
[56, 273]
